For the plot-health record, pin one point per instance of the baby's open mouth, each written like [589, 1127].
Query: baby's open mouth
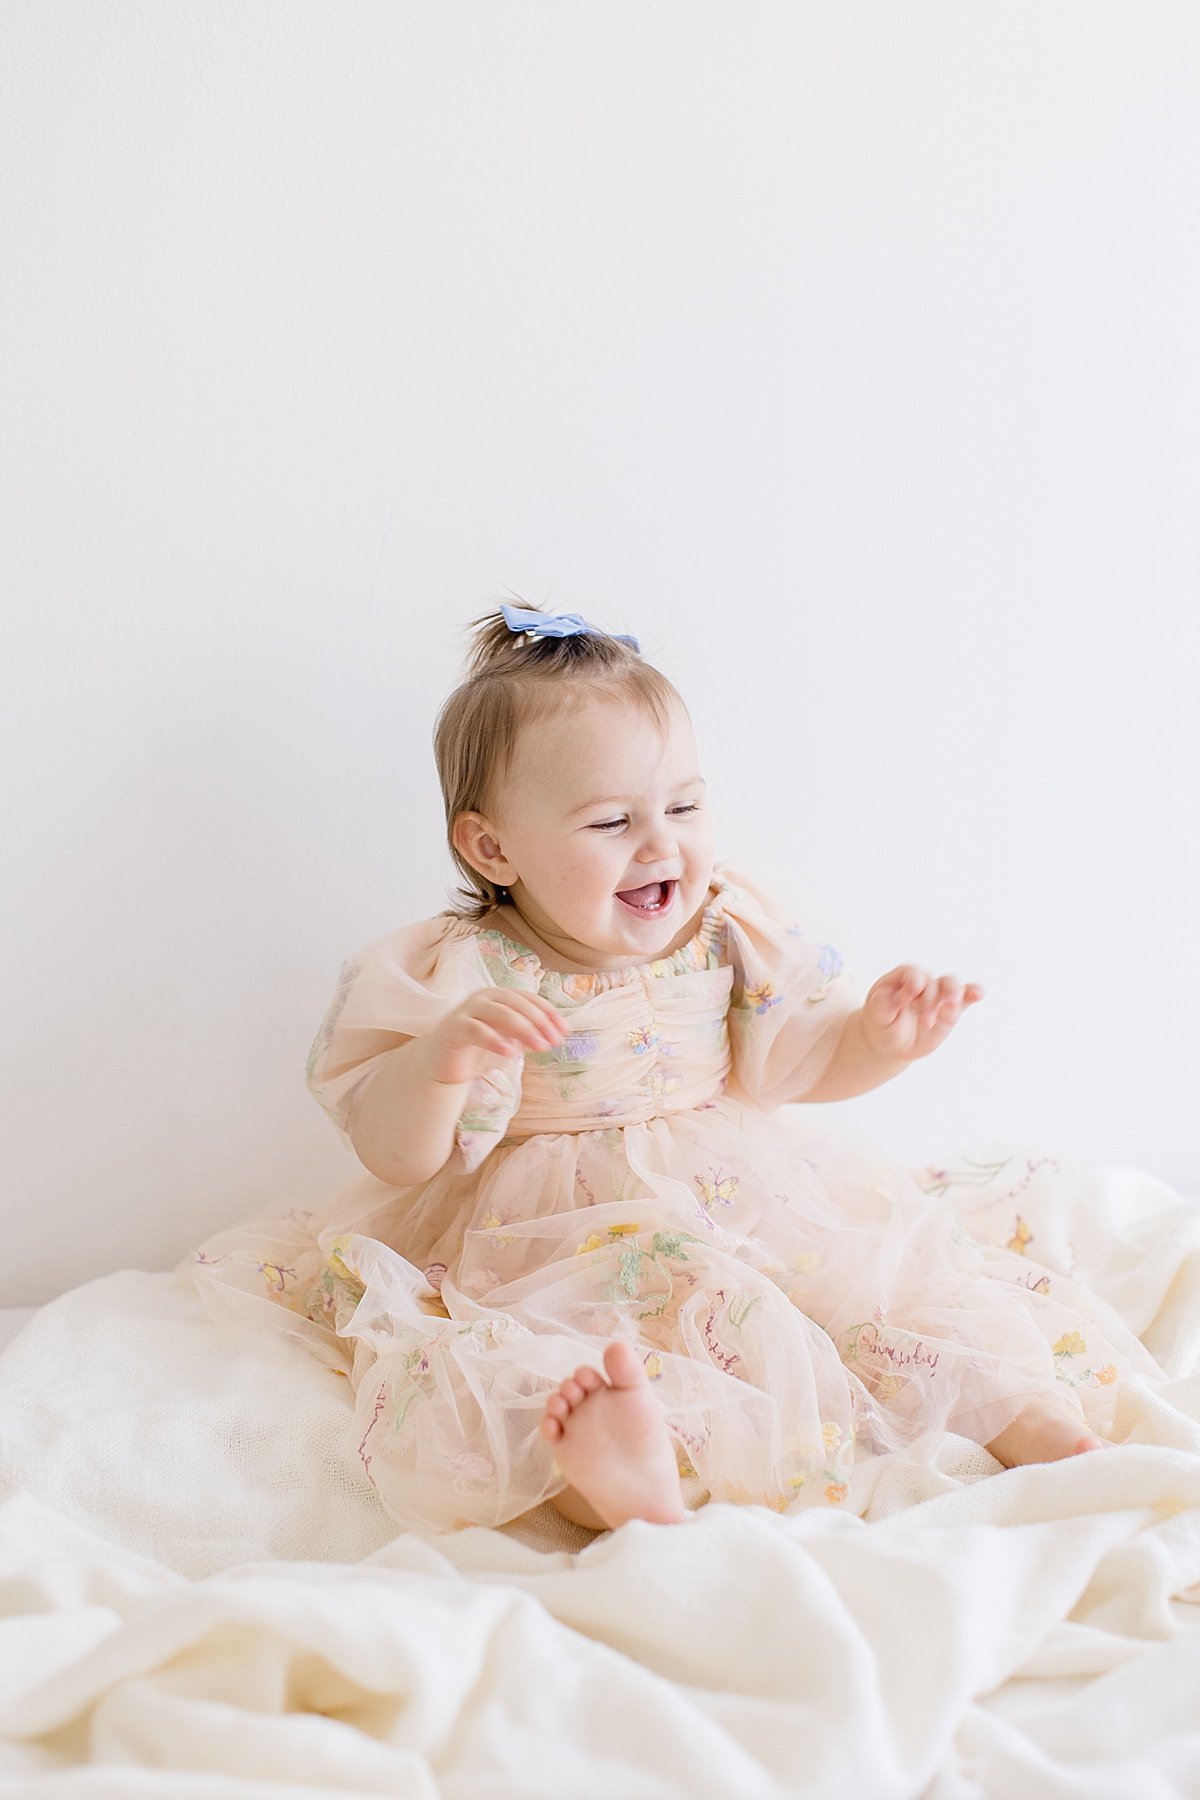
[655, 897]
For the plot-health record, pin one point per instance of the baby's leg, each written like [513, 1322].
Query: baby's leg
[1045, 1431]
[572, 1505]
[611, 1442]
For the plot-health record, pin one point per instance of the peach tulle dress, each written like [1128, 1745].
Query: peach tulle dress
[791, 1295]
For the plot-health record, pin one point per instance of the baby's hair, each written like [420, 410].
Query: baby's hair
[514, 681]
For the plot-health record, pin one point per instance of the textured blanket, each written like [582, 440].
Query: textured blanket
[201, 1596]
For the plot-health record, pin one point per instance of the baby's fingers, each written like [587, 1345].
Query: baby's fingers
[946, 999]
[521, 1021]
[898, 989]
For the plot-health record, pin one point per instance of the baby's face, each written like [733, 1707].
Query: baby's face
[596, 804]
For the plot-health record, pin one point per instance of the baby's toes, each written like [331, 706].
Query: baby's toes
[624, 1369]
[589, 1379]
[571, 1391]
[558, 1408]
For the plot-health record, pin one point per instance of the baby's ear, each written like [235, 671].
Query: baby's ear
[472, 837]
[468, 834]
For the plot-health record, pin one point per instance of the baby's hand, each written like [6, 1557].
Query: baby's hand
[491, 1023]
[907, 1013]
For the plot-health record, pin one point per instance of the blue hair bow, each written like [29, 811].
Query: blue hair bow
[557, 625]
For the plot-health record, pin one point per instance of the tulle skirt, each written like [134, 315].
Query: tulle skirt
[797, 1302]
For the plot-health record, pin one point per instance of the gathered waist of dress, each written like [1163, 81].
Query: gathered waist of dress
[594, 1127]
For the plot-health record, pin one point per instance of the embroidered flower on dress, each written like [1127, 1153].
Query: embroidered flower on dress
[613, 1236]
[340, 1268]
[506, 964]
[491, 1222]
[829, 964]
[761, 996]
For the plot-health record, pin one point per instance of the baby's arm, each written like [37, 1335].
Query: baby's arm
[404, 1117]
[905, 1015]
[856, 1068]
[400, 1087]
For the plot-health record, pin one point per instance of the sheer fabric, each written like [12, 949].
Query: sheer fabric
[791, 1295]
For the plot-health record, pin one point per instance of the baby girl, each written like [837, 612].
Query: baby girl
[592, 1261]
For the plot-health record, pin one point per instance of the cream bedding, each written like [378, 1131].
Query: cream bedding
[200, 1595]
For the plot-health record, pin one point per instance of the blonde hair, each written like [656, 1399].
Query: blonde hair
[514, 681]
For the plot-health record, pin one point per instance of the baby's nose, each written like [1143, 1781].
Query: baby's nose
[659, 844]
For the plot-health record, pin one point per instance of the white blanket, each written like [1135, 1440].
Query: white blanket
[200, 1595]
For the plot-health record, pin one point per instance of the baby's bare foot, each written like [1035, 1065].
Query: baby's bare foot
[612, 1443]
[1046, 1430]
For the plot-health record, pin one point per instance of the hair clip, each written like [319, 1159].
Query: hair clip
[557, 625]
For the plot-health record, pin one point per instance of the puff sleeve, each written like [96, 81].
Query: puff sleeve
[398, 987]
[791, 995]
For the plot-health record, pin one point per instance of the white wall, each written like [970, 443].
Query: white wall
[844, 354]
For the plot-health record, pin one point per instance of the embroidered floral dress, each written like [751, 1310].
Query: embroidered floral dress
[791, 1296]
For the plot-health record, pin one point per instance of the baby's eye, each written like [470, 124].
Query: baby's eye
[611, 824]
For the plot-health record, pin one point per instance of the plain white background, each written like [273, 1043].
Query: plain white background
[846, 355]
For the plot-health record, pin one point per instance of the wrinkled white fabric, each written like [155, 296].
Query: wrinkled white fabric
[202, 1598]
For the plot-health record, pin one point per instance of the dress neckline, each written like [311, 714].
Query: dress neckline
[691, 955]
